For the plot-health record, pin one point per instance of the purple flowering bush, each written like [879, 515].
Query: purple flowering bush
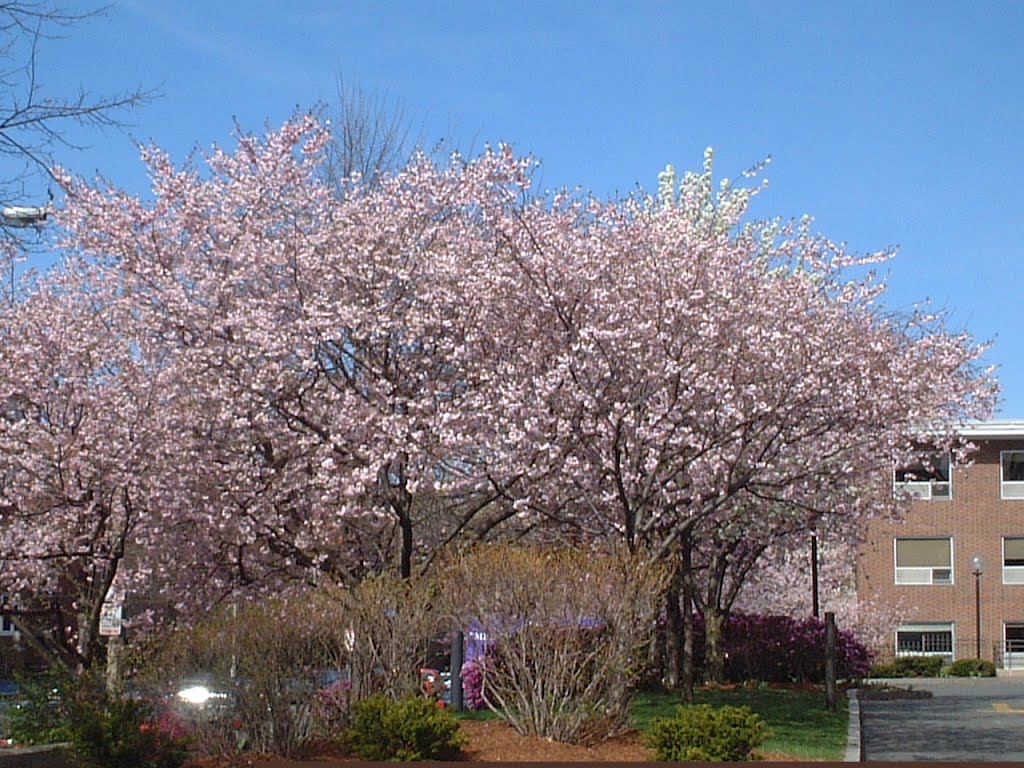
[473, 684]
[781, 649]
[332, 706]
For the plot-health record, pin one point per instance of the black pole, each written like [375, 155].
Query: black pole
[977, 615]
[456, 670]
[814, 575]
[830, 661]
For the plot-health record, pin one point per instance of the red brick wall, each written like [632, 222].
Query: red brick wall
[977, 519]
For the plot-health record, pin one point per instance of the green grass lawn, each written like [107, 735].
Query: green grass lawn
[801, 725]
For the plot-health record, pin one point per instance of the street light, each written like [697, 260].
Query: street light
[977, 568]
[23, 215]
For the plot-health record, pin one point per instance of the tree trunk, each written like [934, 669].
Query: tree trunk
[392, 480]
[405, 565]
[714, 652]
[714, 618]
[686, 571]
[672, 676]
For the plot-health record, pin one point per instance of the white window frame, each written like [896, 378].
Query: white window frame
[1010, 489]
[1012, 574]
[924, 490]
[926, 627]
[922, 575]
[1013, 656]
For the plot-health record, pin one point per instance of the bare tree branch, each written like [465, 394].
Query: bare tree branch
[371, 135]
[33, 121]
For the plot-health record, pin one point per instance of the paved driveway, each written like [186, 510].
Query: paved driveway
[967, 719]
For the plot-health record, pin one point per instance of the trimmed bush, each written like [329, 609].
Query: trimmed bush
[883, 670]
[121, 734]
[971, 668]
[702, 733]
[910, 666]
[414, 728]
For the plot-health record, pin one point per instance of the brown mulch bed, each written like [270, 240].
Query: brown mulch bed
[488, 741]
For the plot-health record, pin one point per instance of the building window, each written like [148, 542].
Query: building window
[924, 561]
[1013, 560]
[930, 478]
[7, 627]
[1011, 472]
[924, 640]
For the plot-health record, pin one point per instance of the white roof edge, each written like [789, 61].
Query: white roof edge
[994, 429]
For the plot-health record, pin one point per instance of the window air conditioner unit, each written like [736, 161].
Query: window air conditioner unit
[917, 490]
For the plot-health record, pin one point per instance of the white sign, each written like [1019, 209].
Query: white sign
[110, 619]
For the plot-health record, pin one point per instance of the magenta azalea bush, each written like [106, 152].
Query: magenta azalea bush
[783, 649]
[473, 684]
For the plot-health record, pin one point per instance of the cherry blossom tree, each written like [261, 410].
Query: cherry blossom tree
[705, 383]
[82, 438]
[327, 341]
[440, 355]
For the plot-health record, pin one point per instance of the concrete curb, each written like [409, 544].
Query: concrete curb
[854, 749]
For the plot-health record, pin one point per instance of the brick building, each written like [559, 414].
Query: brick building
[956, 560]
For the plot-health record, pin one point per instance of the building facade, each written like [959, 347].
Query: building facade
[954, 565]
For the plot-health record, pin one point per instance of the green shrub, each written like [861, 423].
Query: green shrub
[414, 728]
[910, 666]
[883, 670]
[120, 733]
[41, 713]
[702, 733]
[971, 668]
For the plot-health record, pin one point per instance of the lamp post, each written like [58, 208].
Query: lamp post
[977, 568]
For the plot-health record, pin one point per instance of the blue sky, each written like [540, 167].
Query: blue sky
[892, 123]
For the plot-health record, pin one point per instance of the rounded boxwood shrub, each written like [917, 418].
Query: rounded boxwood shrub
[910, 666]
[702, 733]
[971, 668]
[414, 728]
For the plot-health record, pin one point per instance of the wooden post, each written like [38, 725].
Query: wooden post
[830, 661]
[115, 644]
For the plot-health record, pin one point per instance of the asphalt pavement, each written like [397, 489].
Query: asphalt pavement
[967, 719]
